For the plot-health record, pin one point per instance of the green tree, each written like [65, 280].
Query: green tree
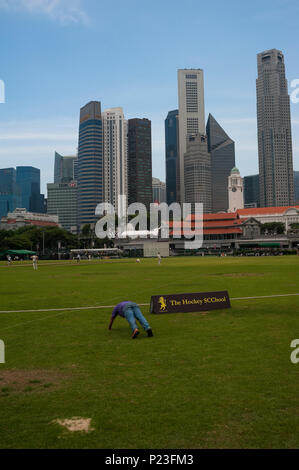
[273, 228]
[19, 242]
[86, 231]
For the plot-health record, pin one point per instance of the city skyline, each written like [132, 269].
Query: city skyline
[43, 94]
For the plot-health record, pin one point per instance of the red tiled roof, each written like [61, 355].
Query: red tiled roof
[265, 210]
[218, 216]
[213, 224]
[221, 231]
[222, 223]
[41, 223]
[208, 231]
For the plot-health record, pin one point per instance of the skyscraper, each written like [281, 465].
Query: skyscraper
[10, 193]
[296, 186]
[62, 194]
[274, 131]
[140, 161]
[90, 163]
[171, 155]
[28, 179]
[115, 155]
[191, 115]
[222, 150]
[62, 201]
[251, 191]
[197, 172]
[64, 169]
[159, 191]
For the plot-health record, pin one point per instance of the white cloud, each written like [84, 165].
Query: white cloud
[38, 136]
[39, 130]
[34, 143]
[65, 11]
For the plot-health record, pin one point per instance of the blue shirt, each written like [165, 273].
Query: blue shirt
[120, 308]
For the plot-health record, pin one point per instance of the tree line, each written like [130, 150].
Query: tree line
[47, 240]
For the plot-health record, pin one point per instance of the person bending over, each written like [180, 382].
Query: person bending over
[131, 312]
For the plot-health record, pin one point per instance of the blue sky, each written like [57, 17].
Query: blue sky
[56, 55]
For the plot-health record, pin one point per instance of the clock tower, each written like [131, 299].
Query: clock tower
[235, 191]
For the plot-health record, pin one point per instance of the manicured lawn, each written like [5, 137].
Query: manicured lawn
[205, 380]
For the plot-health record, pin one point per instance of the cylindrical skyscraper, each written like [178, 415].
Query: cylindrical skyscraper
[90, 163]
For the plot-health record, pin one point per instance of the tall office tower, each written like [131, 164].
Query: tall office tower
[64, 169]
[62, 201]
[191, 115]
[222, 150]
[28, 178]
[197, 172]
[115, 132]
[10, 193]
[76, 168]
[171, 155]
[274, 131]
[90, 163]
[140, 162]
[296, 186]
[251, 191]
[159, 191]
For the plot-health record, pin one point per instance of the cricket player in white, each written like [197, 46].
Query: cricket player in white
[34, 262]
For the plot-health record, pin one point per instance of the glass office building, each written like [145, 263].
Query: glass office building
[252, 191]
[64, 168]
[90, 168]
[171, 155]
[140, 162]
[159, 191]
[28, 179]
[62, 201]
[10, 194]
[222, 150]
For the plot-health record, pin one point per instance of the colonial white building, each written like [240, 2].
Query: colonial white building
[20, 218]
[287, 215]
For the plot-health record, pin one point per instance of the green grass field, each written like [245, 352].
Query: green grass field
[221, 379]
